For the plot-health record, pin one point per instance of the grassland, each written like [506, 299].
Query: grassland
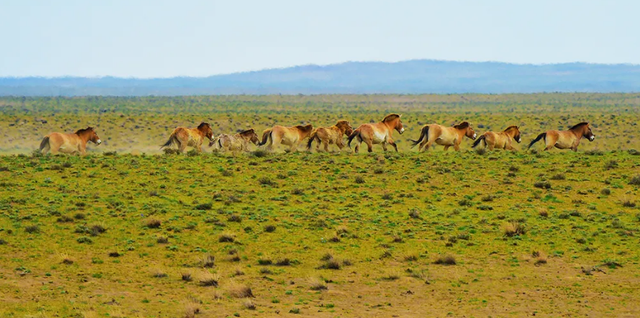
[498, 234]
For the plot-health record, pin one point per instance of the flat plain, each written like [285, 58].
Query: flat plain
[130, 231]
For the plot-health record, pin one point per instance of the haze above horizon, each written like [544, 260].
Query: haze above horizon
[147, 39]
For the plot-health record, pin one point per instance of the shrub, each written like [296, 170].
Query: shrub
[559, 176]
[270, 228]
[84, 240]
[414, 214]
[162, 240]
[359, 180]
[267, 181]
[445, 260]
[542, 185]
[64, 219]
[605, 191]
[204, 206]
[635, 180]
[153, 223]
[226, 238]
[32, 229]
[234, 218]
[611, 165]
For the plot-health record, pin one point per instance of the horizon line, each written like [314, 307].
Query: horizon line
[312, 64]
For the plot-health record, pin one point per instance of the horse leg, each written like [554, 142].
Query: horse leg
[393, 143]
[325, 143]
[446, 148]
[384, 146]
[370, 145]
[491, 146]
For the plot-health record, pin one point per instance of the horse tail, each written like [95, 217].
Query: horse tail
[424, 133]
[354, 134]
[171, 140]
[477, 142]
[44, 143]
[540, 136]
[265, 137]
[313, 136]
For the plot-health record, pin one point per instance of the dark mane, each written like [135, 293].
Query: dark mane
[390, 117]
[203, 124]
[579, 125]
[510, 127]
[462, 125]
[305, 127]
[247, 131]
[81, 131]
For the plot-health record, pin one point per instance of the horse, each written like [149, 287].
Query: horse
[566, 139]
[445, 136]
[330, 135]
[500, 140]
[69, 143]
[192, 137]
[378, 133]
[290, 136]
[237, 142]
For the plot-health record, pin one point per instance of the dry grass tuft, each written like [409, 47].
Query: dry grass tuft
[240, 291]
[445, 260]
[208, 279]
[317, 283]
[514, 228]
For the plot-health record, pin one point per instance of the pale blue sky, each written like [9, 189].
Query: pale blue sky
[201, 38]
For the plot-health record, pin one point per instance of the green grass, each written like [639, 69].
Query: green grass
[329, 234]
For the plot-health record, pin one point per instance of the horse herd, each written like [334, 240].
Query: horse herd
[376, 133]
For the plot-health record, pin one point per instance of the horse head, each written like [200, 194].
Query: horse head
[468, 131]
[205, 128]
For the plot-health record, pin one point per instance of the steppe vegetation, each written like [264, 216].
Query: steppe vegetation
[131, 231]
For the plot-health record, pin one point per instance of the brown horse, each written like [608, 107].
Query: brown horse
[192, 137]
[379, 133]
[445, 136]
[330, 135]
[566, 139]
[237, 142]
[290, 136]
[69, 143]
[500, 140]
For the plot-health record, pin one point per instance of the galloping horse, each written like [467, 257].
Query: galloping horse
[445, 136]
[330, 135]
[379, 133]
[566, 139]
[289, 136]
[500, 140]
[237, 142]
[192, 137]
[69, 143]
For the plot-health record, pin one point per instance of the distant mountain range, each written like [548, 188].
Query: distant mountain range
[408, 77]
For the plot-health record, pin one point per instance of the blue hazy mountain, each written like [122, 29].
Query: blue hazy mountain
[408, 77]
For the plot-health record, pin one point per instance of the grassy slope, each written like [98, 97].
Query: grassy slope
[308, 199]
[463, 201]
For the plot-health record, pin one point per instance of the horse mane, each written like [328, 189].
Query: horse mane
[247, 131]
[390, 117]
[510, 127]
[579, 125]
[305, 127]
[462, 125]
[203, 124]
[81, 131]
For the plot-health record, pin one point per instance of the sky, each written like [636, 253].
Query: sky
[144, 39]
